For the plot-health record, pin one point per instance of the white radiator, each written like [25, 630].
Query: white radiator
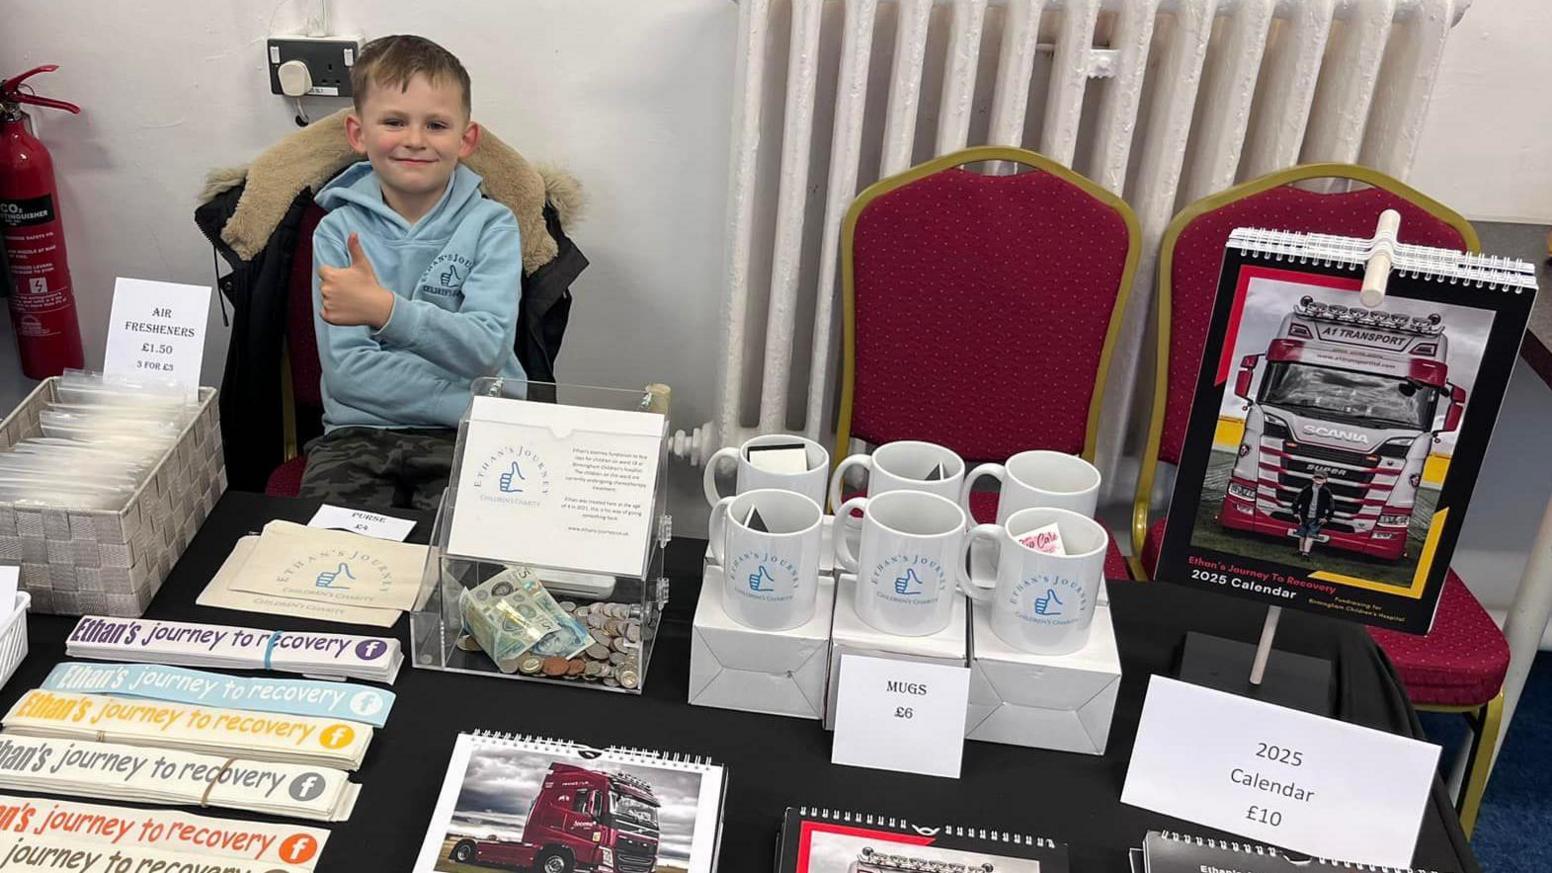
[1163, 101]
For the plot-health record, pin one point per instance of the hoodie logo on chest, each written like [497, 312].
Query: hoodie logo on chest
[444, 277]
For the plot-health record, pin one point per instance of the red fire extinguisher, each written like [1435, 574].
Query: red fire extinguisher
[42, 305]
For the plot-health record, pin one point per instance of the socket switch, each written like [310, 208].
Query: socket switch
[328, 59]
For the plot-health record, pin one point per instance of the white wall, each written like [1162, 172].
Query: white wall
[632, 97]
[1487, 145]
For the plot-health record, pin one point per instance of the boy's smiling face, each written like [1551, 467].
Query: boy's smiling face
[414, 138]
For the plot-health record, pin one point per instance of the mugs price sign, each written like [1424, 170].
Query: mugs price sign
[901, 715]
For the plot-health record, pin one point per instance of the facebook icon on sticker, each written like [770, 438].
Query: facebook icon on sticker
[308, 786]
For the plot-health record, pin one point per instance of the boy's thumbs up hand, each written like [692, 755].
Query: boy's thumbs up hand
[351, 295]
[358, 258]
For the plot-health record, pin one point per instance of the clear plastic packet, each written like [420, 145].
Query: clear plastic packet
[12, 466]
[62, 495]
[97, 428]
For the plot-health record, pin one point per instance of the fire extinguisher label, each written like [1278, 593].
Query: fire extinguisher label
[27, 212]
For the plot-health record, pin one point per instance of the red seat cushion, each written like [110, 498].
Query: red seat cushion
[1461, 662]
[286, 479]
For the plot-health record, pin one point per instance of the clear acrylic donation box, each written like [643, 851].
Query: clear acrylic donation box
[546, 558]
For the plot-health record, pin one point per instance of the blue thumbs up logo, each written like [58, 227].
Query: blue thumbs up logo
[761, 579]
[327, 578]
[909, 584]
[510, 478]
[1050, 604]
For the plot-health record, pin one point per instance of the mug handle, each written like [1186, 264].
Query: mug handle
[843, 556]
[838, 476]
[710, 478]
[996, 471]
[977, 587]
[717, 526]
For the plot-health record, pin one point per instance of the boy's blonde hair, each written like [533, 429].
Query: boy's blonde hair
[395, 60]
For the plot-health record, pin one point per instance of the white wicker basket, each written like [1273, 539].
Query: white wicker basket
[102, 562]
[13, 637]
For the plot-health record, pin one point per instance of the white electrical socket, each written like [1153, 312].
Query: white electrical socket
[328, 60]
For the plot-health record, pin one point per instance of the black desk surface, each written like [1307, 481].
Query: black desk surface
[776, 762]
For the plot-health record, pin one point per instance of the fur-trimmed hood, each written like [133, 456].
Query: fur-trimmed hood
[310, 157]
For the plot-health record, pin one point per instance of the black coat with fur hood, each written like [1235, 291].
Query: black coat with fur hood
[254, 217]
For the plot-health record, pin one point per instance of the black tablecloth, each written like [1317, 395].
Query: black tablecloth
[776, 762]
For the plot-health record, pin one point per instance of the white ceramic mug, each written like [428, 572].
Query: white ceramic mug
[1040, 603]
[810, 483]
[1039, 478]
[770, 577]
[911, 563]
[903, 466]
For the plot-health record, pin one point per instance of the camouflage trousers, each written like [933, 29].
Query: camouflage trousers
[380, 468]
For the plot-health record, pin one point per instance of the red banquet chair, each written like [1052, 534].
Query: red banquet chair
[980, 310]
[1460, 665]
[301, 376]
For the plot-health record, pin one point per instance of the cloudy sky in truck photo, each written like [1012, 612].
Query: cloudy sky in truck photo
[500, 784]
[1267, 301]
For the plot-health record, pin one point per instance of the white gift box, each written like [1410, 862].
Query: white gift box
[775, 672]
[850, 635]
[1061, 702]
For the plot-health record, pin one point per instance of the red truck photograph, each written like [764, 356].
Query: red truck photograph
[581, 821]
[1351, 394]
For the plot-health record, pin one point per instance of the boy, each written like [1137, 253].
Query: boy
[1312, 507]
[417, 284]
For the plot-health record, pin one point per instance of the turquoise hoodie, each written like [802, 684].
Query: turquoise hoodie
[457, 274]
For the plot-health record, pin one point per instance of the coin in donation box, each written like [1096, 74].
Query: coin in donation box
[628, 678]
[601, 636]
[598, 652]
[596, 620]
[617, 658]
[612, 682]
[556, 666]
[467, 643]
[621, 644]
[530, 664]
[633, 633]
[594, 669]
[576, 667]
[568, 606]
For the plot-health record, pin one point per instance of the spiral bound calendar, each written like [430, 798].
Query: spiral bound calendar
[832, 841]
[1332, 446]
[534, 803]
[1167, 852]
